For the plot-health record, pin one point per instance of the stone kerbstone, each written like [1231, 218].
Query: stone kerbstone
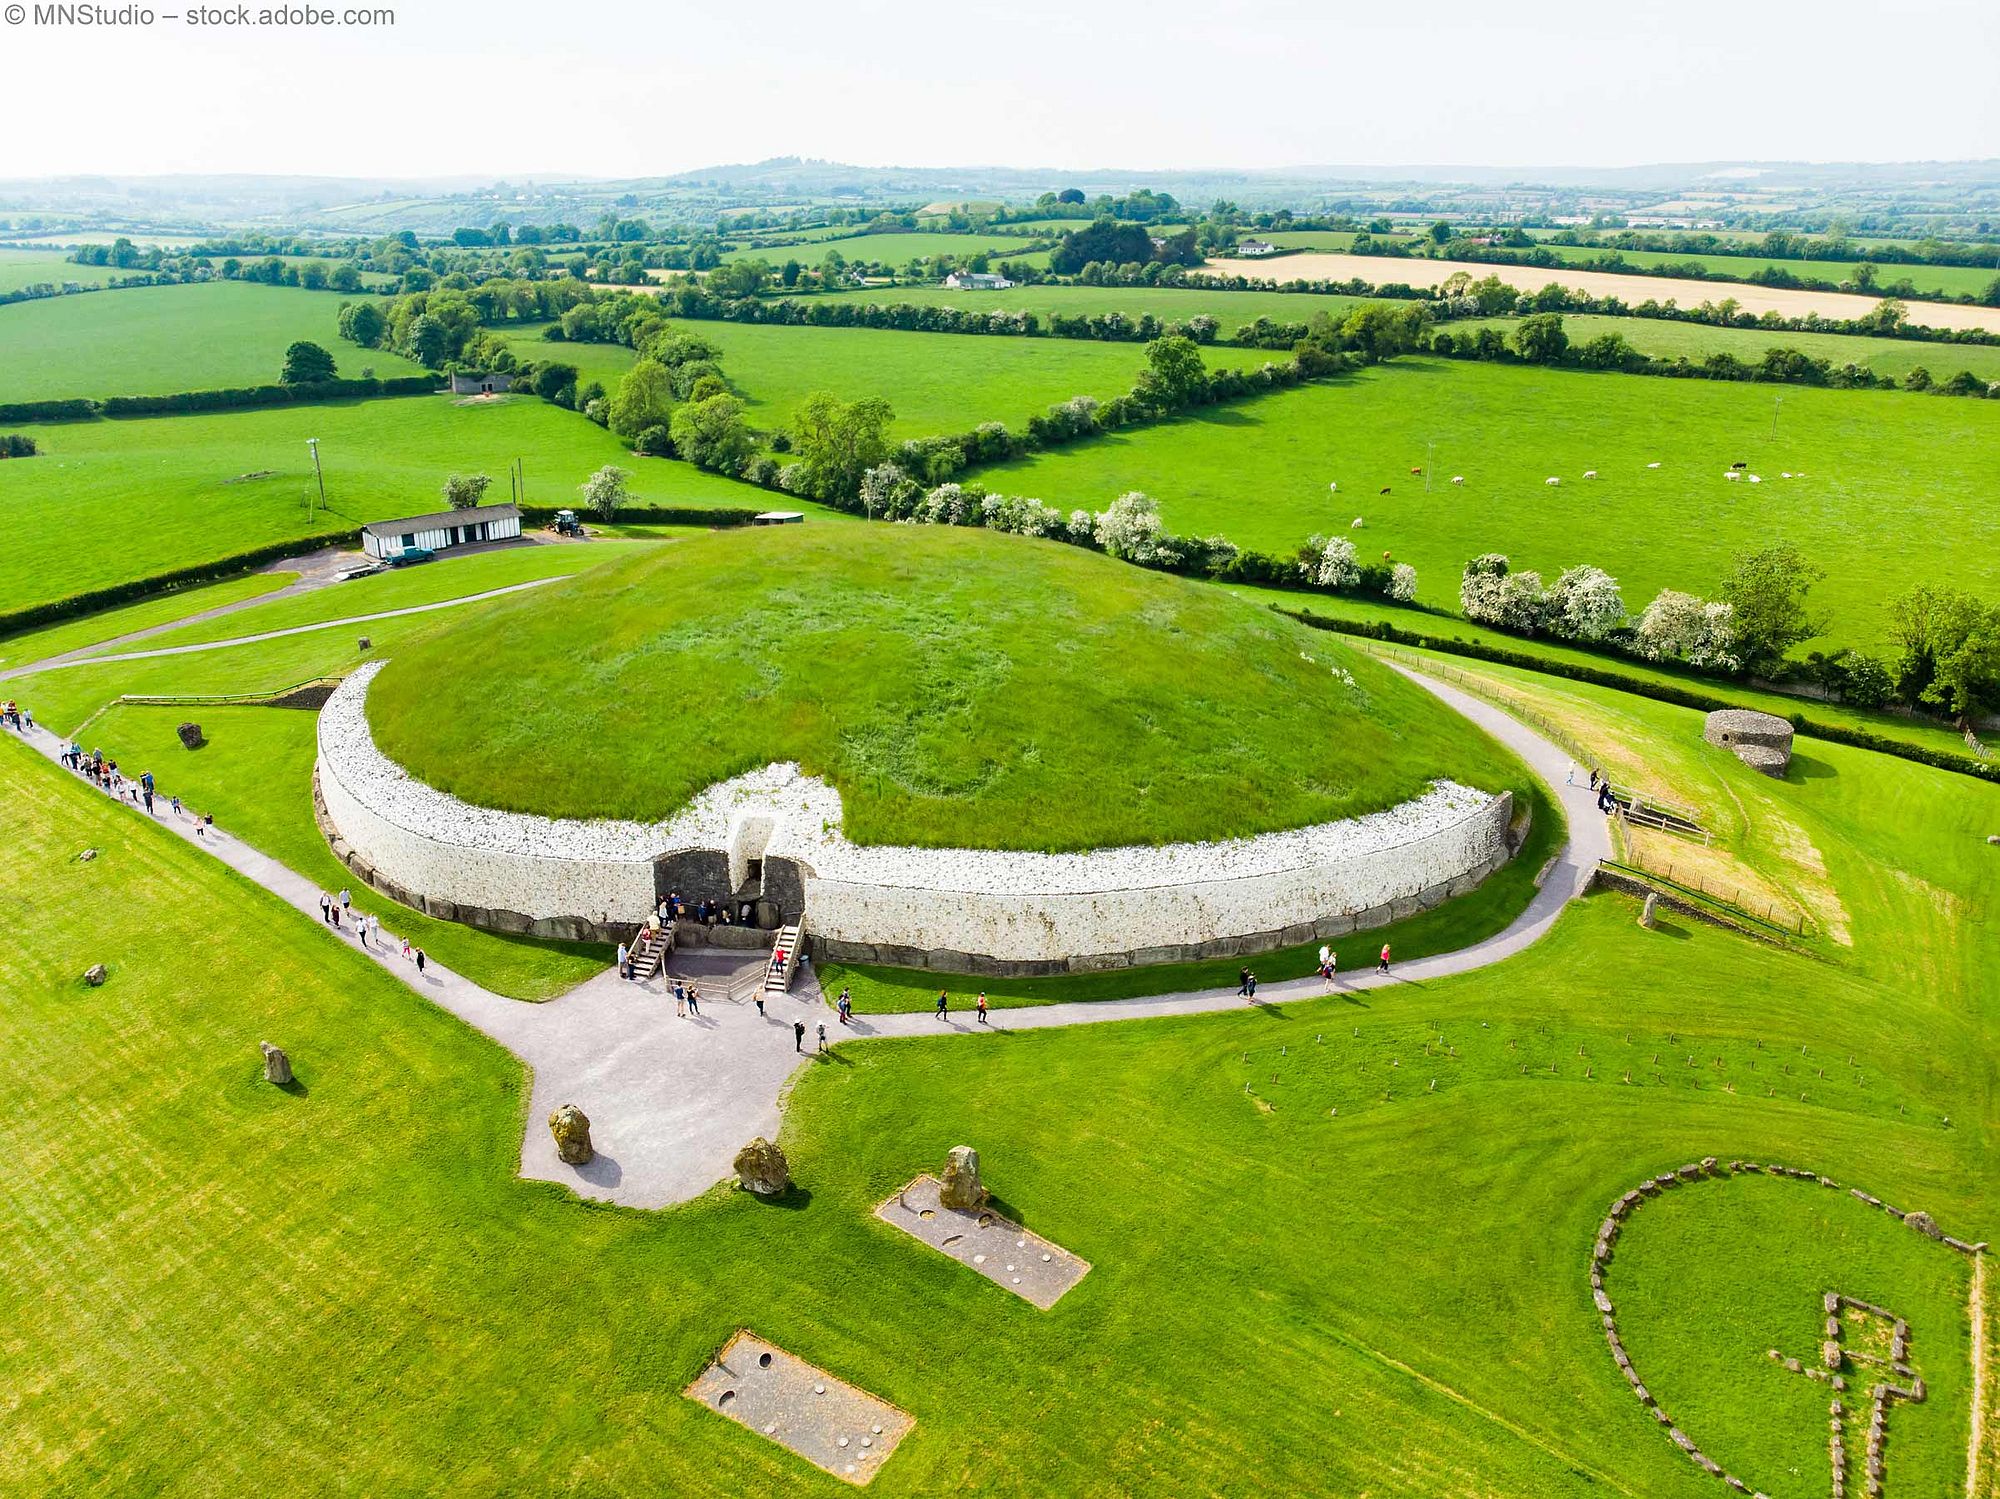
[762, 1168]
[961, 1186]
[571, 1128]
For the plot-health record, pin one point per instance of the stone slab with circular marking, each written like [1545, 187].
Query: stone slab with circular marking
[1033, 1268]
[827, 1421]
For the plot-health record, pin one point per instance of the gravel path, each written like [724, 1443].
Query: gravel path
[79, 658]
[671, 1099]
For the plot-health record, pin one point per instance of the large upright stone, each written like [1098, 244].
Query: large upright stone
[94, 975]
[962, 1187]
[762, 1168]
[571, 1127]
[1646, 911]
[277, 1066]
[190, 735]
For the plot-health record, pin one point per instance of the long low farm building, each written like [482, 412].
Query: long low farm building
[440, 530]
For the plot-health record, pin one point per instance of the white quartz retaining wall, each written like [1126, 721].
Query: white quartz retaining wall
[965, 908]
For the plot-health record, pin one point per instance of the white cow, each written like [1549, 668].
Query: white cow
[1654, 464]
[1732, 475]
[1458, 478]
[1357, 524]
[1552, 482]
[1334, 488]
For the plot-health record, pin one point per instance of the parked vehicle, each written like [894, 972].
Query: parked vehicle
[410, 555]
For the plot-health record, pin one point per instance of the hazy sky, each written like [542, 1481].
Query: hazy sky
[622, 87]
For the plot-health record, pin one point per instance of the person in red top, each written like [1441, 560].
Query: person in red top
[1383, 966]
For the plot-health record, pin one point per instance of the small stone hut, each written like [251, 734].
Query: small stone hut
[1763, 741]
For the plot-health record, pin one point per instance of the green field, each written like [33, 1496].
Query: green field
[956, 686]
[896, 250]
[1232, 309]
[1671, 339]
[216, 485]
[426, 1293]
[1884, 505]
[1929, 280]
[937, 382]
[21, 268]
[156, 340]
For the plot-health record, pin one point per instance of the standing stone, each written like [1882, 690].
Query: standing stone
[190, 734]
[1924, 1224]
[1646, 911]
[94, 975]
[277, 1066]
[571, 1127]
[365, 643]
[962, 1187]
[762, 1168]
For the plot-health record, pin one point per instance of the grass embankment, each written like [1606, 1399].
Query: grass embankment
[216, 485]
[959, 688]
[355, 1263]
[160, 340]
[1883, 506]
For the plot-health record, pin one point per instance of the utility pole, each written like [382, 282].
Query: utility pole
[1776, 402]
[313, 443]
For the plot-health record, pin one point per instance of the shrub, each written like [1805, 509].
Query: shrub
[1329, 562]
[1403, 583]
[1680, 627]
[1132, 531]
[1585, 604]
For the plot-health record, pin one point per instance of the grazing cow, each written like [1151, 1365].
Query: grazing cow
[1383, 490]
[1740, 463]
[1654, 464]
[1755, 480]
[1334, 488]
[1386, 555]
[1416, 471]
[1786, 474]
[1357, 524]
[1731, 474]
[1458, 478]
[1590, 473]
[1552, 482]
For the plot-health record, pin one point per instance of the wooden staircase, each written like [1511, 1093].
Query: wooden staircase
[649, 950]
[777, 972]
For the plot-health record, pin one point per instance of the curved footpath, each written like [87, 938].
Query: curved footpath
[671, 1100]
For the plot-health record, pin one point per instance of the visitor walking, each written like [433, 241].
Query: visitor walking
[624, 961]
[1251, 985]
[846, 1008]
[822, 1035]
[798, 1035]
[943, 1006]
[1329, 965]
[373, 928]
[175, 803]
[1242, 982]
[421, 961]
[694, 999]
[1569, 776]
[406, 949]
[982, 1007]
[326, 908]
[759, 997]
[680, 998]
[1383, 966]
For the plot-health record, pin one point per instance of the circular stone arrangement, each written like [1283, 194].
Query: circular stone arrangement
[942, 748]
[1763, 741]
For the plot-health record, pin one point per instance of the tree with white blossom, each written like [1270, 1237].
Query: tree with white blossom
[1585, 604]
[1132, 531]
[1330, 562]
[1680, 627]
[1403, 583]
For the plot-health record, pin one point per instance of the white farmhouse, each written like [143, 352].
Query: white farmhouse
[1256, 247]
[440, 531]
[976, 281]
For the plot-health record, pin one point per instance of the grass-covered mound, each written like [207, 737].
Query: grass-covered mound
[960, 688]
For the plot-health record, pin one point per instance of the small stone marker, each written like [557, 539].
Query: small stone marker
[1646, 911]
[571, 1127]
[94, 975]
[190, 735]
[762, 1168]
[962, 1189]
[277, 1066]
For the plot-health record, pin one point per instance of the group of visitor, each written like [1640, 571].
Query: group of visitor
[107, 777]
[15, 718]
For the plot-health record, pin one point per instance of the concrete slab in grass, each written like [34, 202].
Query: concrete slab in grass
[828, 1422]
[1005, 1253]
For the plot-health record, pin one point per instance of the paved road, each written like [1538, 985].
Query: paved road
[82, 658]
[672, 1099]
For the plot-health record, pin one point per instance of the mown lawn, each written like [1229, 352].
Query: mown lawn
[1888, 501]
[1308, 1262]
[108, 624]
[959, 688]
[157, 340]
[166, 492]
